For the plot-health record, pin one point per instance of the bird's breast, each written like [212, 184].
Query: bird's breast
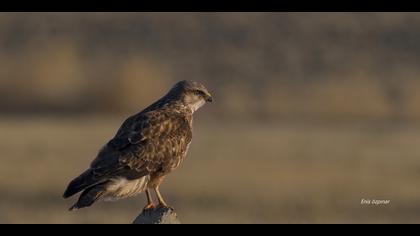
[181, 157]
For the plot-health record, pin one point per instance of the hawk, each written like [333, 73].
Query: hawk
[148, 146]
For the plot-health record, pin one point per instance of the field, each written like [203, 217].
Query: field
[313, 113]
[245, 172]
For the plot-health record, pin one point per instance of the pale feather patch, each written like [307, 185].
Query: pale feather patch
[196, 105]
[122, 188]
[194, 102]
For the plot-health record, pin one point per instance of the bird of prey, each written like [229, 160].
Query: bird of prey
[147, 146]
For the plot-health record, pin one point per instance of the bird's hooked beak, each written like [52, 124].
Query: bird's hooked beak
[209, 98]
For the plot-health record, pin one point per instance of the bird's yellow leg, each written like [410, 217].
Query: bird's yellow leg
[150, 203]
[160, 198]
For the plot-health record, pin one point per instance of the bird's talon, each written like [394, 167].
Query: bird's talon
[149, 206]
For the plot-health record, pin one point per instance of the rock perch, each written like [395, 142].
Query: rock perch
[158, 215]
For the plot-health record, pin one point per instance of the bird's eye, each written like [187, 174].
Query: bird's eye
[199, 93]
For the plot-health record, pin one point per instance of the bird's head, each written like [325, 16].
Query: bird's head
[192, 94]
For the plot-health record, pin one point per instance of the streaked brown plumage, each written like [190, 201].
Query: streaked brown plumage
[147, 147]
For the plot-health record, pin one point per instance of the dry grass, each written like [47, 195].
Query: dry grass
[235, 173]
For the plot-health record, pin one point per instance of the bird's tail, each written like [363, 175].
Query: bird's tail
[85, 180]
[89, 196]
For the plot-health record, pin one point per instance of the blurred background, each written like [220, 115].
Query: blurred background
[312, 112]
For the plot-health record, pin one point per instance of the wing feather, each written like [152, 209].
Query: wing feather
[145, 143]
